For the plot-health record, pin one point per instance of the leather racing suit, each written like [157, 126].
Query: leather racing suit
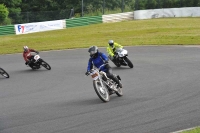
[99, 60]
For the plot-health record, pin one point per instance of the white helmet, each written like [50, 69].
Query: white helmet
[25, 48]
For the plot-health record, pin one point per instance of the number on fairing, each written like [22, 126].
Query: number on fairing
[36, 57]
[94, 75]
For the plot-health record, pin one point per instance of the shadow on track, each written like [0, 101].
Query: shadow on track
[2, 78]
[30, 71]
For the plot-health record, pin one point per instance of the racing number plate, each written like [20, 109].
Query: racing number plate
[36, 57]
[94, 75]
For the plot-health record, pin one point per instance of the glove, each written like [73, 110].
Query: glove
[36, 52]
[87, 73]
[106, 62]
[26, 63]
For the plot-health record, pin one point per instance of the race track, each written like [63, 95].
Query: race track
[161, 93]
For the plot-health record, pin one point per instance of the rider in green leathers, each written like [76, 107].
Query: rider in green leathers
[112, 46]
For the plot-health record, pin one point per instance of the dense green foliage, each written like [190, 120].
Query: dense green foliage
[3, 13]
[14, 8]
[22, 11]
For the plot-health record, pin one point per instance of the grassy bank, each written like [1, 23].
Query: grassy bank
[196, 130]
[169, 31]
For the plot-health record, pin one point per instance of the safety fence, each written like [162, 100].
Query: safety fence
[7, 30]
[62, 24]
[83, 21]
[167, 13]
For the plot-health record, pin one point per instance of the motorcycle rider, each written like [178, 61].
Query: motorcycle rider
[112, 46]
[97, 59]
[27, 55]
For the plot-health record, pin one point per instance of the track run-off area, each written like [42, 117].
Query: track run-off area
[161, 93]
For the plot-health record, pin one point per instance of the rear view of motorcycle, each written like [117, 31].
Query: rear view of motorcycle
[37, 62]
[103, 86]
[4, 73]
[122, 59]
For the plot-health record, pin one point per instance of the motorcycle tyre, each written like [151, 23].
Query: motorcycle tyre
[107, 99]
[45, 65]
[116, 64]
[130, 64]
[119, 92]
[4, 74]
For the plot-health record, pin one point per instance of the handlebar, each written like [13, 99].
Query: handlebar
[87, 73]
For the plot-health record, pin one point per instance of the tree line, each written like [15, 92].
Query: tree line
[22, 11]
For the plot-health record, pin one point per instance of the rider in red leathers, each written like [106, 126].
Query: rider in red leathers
[27, 55]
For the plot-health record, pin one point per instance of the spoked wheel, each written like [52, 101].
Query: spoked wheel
[45, 65]
[130, 64]
[4, 73]
[101, 91]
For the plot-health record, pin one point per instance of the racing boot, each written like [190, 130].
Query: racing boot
[117, 80]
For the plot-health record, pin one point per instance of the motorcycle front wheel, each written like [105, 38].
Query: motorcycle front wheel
[130, 64]
[4, 73]
[101, 91]
[45, 65]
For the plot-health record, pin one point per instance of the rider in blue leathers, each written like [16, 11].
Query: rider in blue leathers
[97, 59]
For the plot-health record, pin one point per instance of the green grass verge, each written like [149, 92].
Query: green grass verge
[195, 130]
[169, 31]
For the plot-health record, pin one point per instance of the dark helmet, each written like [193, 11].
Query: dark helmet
[93, 50]
[111, 43]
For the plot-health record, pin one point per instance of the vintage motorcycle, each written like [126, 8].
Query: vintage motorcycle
[121, 58]
[4, 73]
[104, 86]
[36, 62]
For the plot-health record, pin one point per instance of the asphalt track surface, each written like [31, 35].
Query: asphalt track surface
[161, 93]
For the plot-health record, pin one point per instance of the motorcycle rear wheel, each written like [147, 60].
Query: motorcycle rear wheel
[119, 92]
[4, 73]
[117, 63]
[101, 91]
[130, 64]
